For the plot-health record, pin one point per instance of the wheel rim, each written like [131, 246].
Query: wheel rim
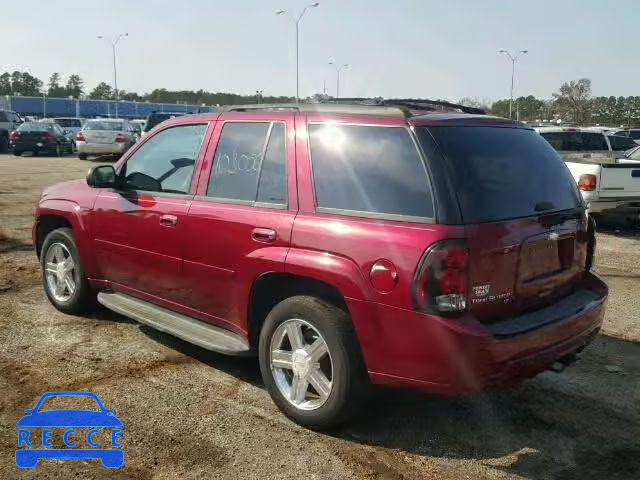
[60, 272]
[301, 364]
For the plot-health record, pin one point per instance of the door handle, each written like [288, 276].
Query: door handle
[168, 220]
[264, 235]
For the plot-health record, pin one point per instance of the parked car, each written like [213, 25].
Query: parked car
[105, 137]
[445, 252]
[633, 133]
[586, 145]
[39, 137]
[72, 125]
[9, 121]
[158, 117]
[139, 124]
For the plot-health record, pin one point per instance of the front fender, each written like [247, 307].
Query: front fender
[78, 218]
[332, 269]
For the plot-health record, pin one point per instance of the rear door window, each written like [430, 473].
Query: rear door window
[369, 170]
[250, 164]
[503, 173]
[621, 143]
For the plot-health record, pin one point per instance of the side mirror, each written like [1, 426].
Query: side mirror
[102, 176]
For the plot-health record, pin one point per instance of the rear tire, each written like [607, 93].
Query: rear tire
[297, 363]
[72, 298]
[82, 156]
[4, 144]
[17, 153]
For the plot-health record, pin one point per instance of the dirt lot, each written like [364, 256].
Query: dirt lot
[189, 413]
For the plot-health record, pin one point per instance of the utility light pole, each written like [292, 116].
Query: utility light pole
[114, 42]
[338, 67]
[297, 22]
[513, 57]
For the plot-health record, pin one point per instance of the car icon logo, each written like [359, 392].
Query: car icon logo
[102, 437]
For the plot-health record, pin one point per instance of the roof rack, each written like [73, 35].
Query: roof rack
[413, 104]
[346, 108]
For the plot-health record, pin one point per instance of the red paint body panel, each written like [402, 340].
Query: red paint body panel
[205, 265]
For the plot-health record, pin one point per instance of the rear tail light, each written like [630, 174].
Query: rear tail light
[79, 137]
[46, 136]
[591, 243]
[587, 182]
[14, 136]
[441, 282]
[120, 138]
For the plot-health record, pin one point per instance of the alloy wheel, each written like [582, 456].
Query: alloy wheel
[301, 364]
[59, 270]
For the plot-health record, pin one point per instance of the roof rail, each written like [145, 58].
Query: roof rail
[412, 104]
[347, 109]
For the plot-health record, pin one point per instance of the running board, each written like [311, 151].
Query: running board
[187, 328]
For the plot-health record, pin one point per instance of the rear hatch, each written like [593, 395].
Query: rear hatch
[101, 131]
[524, 219]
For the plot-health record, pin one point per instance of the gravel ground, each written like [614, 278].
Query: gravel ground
[189, 413]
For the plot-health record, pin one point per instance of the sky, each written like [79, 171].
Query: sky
[396, 48]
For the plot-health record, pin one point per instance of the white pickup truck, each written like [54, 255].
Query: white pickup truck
[609, 180]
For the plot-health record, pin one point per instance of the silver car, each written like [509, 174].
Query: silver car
[105, 137]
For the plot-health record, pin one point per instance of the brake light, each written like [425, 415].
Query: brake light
[441, 281]
[587, 182]
[46, 136]
[14, 135]
[120, 138]
[79, 137]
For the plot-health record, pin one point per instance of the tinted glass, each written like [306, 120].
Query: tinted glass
[156, 118]
[237, 161]
[103, 125]
[272, 187]
[502, 173]
[369, 169]
[621, 143]
[635, 134]
[3, 117]
[576, 141]
[166, 161]
[35, 127]
[68, 122]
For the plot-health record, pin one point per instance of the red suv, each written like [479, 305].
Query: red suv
[345, 245]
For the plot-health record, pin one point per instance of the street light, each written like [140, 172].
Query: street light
[297, 22]
[513, 57]
[338, 67]
[114, 42]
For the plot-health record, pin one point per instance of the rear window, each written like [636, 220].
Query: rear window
[635, 134]
[369, 171]
[35, 127]
[98, 125]
[68, 122]
[503, 173]
[576, 141]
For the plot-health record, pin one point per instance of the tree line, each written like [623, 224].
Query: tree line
[25, 84]
[572, 102]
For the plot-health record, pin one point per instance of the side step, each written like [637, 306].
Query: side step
[187, 328]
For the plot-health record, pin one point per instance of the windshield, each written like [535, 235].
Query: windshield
[69, 122]
[35, 127]
[103, 125]
[76, 402]
[503, 173]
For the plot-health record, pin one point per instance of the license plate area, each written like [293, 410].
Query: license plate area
[546, 257]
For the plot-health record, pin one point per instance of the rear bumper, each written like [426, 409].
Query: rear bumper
[32, 146]
[101, 148]
[617, 206]
[404, 348]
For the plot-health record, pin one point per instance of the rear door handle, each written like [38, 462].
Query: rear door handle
[264, 235]
[168, 220]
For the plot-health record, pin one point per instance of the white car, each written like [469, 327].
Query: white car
[104, 136]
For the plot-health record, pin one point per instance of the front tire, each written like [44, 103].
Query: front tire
[311, 363]
[17, 153]
[63, 277]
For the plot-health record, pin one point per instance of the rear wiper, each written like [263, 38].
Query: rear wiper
[544, 206]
